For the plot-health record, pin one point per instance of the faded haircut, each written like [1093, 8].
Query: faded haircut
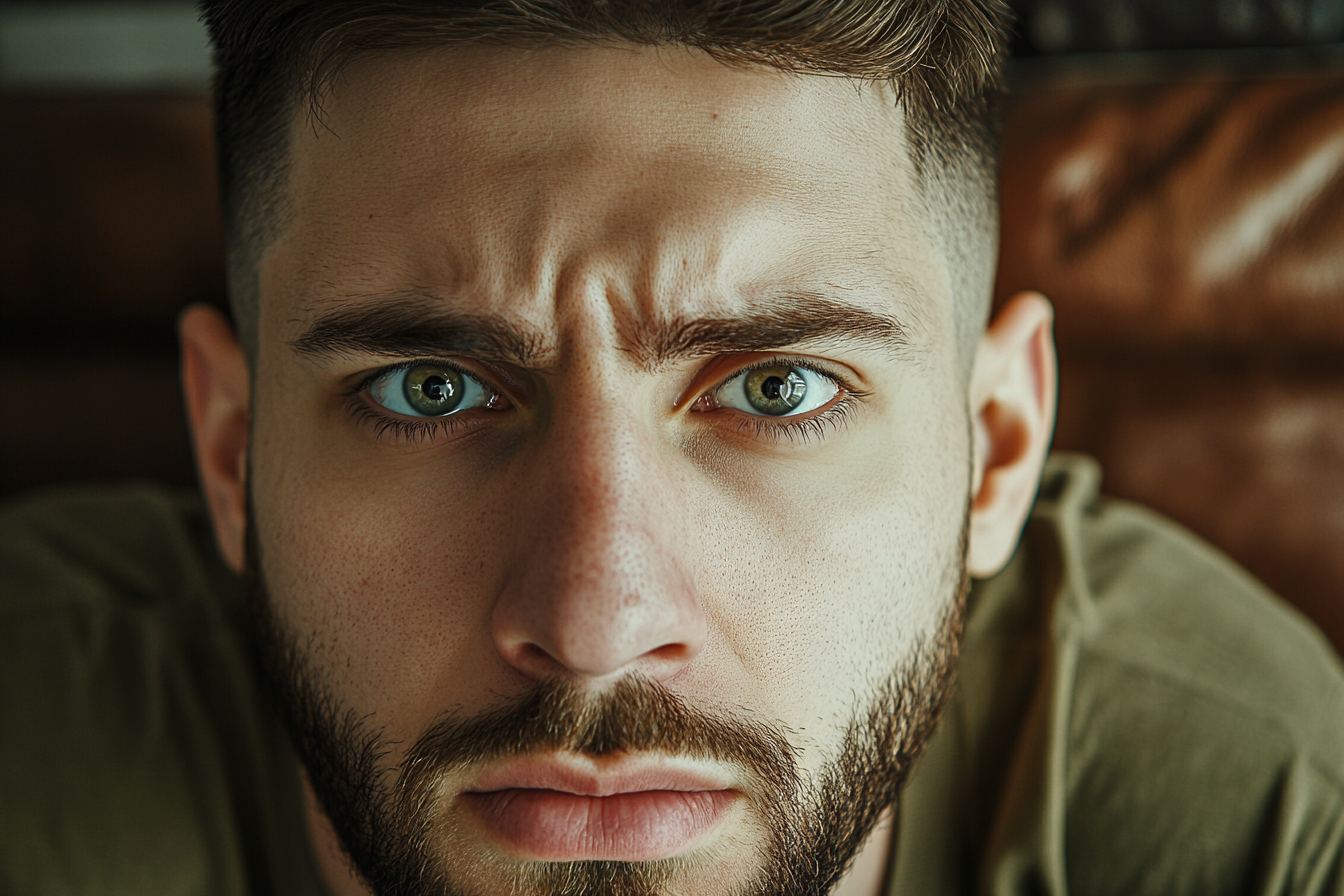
[944, 60]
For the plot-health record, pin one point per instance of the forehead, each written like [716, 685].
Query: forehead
[662, 178]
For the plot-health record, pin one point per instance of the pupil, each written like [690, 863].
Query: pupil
[773, 388]
[435, 388]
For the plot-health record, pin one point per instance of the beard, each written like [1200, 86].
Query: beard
[386, 816]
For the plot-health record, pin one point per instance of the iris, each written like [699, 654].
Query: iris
[775, 390]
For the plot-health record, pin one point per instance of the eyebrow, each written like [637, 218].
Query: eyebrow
[418, 325]
[425, 325]
[775, 323]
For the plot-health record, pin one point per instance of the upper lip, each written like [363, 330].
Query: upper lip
[585, 776]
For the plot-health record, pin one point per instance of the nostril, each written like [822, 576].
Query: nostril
[671, 653]
[665, 662]
[534, 659]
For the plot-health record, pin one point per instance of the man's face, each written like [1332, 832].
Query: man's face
[596, 372]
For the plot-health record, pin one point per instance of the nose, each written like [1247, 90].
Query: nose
[596, 588]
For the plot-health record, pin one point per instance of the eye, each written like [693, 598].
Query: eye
[777, 390]
[429, 390]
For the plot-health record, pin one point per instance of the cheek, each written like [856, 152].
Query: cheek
[821, 578]
[385, 575]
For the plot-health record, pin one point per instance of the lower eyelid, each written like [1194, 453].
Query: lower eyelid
[819, 422]
[841, 397]
[415, 429]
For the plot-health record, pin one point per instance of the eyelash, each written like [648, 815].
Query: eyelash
[802, 429]
[405, 429]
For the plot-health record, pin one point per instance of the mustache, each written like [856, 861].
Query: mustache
[634, 715]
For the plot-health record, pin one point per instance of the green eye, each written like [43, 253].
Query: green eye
[429, 390]
[432, 390]
[777, 390]
[774, 390]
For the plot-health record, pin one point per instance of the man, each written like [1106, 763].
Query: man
[608, 438]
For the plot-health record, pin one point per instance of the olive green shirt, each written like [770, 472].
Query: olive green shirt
[1135, 715]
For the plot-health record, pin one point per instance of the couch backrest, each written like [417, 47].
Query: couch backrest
[1186, 215]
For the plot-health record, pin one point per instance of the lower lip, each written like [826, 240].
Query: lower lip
[555, 826]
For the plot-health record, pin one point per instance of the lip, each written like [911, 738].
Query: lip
[565, 809]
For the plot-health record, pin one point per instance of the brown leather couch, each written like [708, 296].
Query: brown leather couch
[1187, 219]
[1186, 215]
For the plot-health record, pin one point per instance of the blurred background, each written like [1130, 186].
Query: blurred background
[1173, 178]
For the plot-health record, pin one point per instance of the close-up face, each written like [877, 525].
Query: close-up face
[623, 453]
[610, 463]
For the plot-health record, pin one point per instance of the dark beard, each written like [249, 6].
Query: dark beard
[815, 829]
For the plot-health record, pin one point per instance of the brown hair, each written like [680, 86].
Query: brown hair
[944, 58]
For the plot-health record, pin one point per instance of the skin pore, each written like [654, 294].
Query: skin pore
[601, 241]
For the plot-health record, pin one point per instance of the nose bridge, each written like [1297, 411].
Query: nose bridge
[599, 464]
[597, 587]
[598, 492]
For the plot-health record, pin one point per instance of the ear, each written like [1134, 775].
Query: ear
[216, 382]
[1012, 394]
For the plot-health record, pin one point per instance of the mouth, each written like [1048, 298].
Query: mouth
[568, 809]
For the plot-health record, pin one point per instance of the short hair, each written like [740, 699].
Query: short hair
[943, 58]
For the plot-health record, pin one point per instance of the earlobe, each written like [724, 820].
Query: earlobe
[1012, 401]
[216, 384]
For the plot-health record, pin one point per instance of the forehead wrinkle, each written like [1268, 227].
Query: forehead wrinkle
[542, 220]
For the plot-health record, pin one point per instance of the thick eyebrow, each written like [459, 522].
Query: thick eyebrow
[419, 325]
[425, 326]
[776, 323]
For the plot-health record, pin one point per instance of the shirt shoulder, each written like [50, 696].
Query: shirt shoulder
[1134, 715]
[131, 546]
[140, 754]
[1200, 718]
